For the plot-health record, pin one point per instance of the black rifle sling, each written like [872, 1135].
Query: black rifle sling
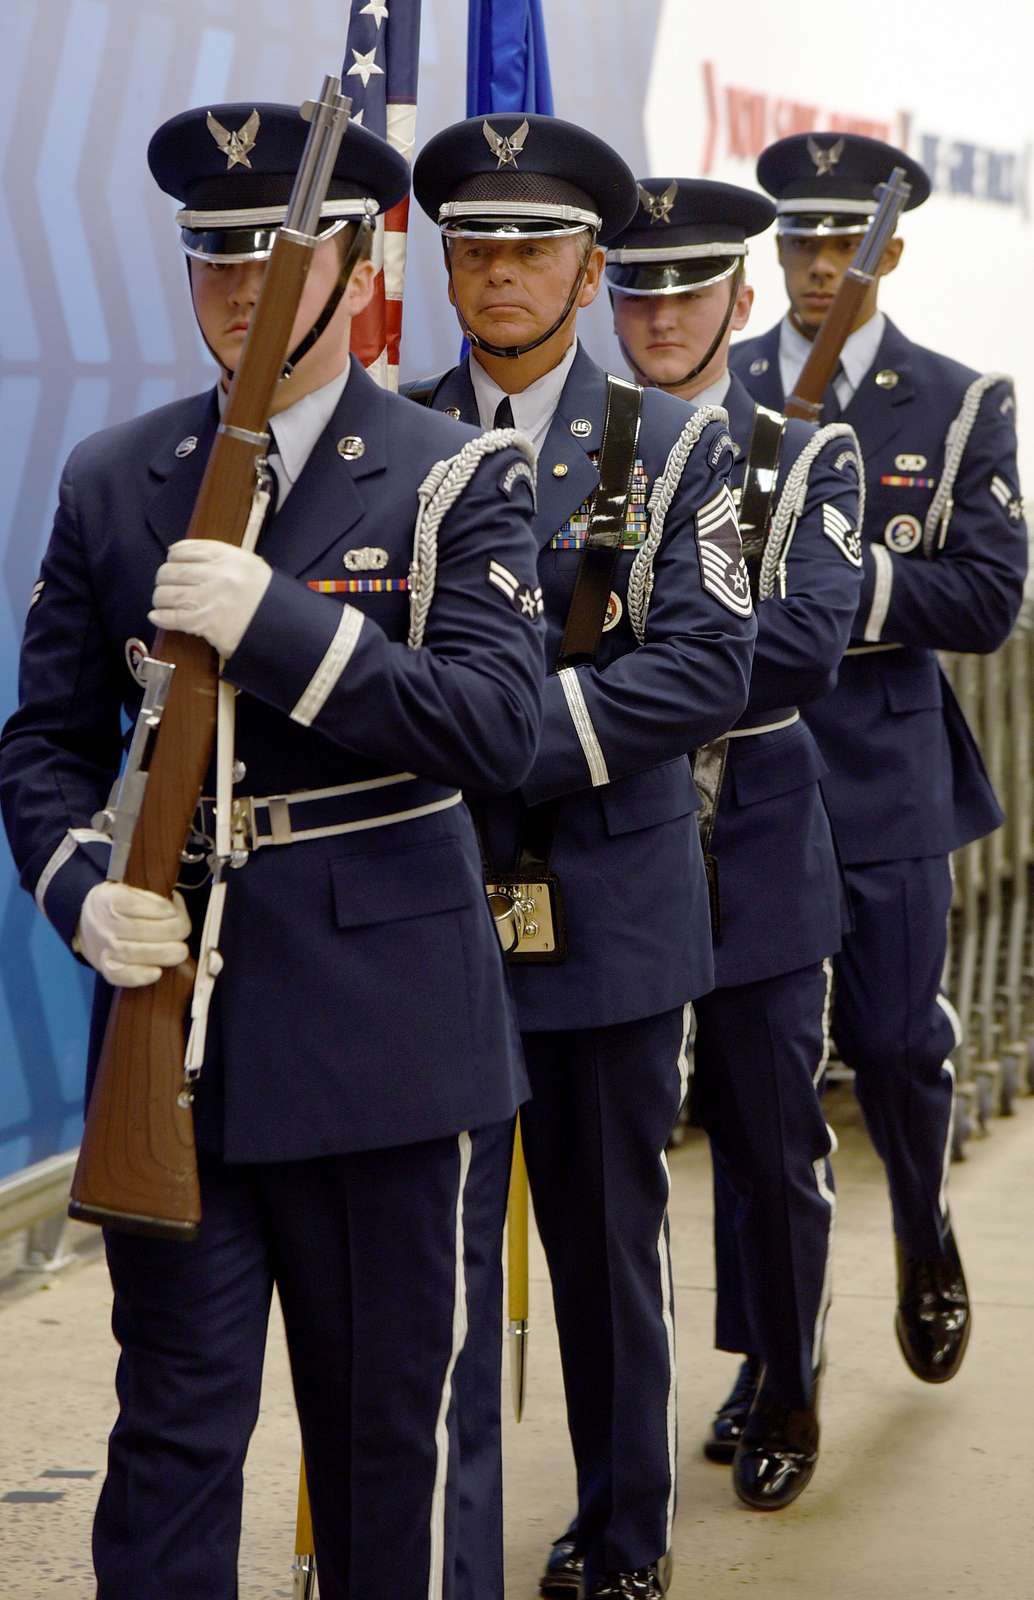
[607, 518]
[583, 628]
[759, 486]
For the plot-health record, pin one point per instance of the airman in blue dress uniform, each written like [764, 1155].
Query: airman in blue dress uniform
[523, 204]
[354, 1116]
[944, 552]
[677, 281]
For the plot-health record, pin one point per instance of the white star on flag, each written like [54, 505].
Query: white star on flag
[364, 66]
[375, 9]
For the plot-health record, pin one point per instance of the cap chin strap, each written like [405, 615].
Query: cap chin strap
[511, 352]
[322, 322]
[678, 383]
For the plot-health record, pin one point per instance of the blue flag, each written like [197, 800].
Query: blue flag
[507, 59]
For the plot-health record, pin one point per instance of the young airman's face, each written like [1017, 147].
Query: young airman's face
[511, 291]
[813, 266]
[666, 335]
[226, 294]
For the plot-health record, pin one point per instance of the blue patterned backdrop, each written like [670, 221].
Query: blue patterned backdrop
[96, 325]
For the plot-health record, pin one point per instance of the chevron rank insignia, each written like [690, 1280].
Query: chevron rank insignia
[846, 537]
[527, 601]
[722, 569]
[1010, 503]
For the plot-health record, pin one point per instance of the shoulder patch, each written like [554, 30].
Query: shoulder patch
[837, 527]
[844, 459]
[718, 449]
[722, 568]
[525, 598]
[514, 473]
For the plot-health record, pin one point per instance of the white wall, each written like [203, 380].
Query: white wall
[949, 82]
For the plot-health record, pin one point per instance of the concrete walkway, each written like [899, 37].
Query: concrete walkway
[922, 1493]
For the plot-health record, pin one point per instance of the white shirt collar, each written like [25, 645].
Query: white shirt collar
[856, 358]
[296, 429]
[715, 393]
[534, 408]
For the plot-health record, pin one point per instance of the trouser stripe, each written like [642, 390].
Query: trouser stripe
[436, 1572]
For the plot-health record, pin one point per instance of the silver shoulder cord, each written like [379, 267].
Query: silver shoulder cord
[791, 506]
[935, 530]
[226, 853]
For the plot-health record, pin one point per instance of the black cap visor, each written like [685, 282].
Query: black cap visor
[664, 276]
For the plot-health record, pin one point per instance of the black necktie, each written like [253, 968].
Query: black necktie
[831, 410]
[503, 414]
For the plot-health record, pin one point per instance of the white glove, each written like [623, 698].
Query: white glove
[209, 588]
[128, 935]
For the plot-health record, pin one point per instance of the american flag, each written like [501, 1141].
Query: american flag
[380, 76]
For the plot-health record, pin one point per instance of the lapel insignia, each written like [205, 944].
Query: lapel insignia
[887, 378]
[186, 447]
[658, 206]
[759, 366]
[506, 150]
[907, 463]
[351, 447]
[722, 569]
[368, 558]
[825, 159]
[903, 533]
[453, 412]
[581, 427]
[235, 146]
[524, 599]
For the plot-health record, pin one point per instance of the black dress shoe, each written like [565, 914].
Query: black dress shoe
[646, 1583]
[933, 1318]
[728, 1421]
[562, 1579]
[777, 1454]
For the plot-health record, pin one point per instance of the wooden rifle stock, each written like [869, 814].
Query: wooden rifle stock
[818, 370]
[137, 1167]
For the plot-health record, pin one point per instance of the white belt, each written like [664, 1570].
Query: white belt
[764, 727]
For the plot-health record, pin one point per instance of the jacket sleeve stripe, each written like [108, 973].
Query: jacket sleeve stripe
[63, 854]
[327, 674]
[884, 583]
[583, 727]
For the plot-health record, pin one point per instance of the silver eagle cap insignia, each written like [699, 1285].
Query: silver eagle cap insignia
[506, 150]
[235, 146]
[658, 206]
[825, 159]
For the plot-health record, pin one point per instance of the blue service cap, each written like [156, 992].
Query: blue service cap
[232, 168]
[826, 182]
[686, 234]
[511, 173]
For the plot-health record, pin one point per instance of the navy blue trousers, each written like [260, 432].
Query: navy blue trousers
[894, 1027]
[759, 1055]
[603, 1105]
[363, 1250]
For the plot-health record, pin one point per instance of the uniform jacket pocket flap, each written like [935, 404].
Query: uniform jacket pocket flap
[646, 799]
[918, 691]
[414, 882]
[761, 772]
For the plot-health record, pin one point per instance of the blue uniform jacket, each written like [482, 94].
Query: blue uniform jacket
[778, 875]
[363, 1001]
[906, 778]
[614, 743]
